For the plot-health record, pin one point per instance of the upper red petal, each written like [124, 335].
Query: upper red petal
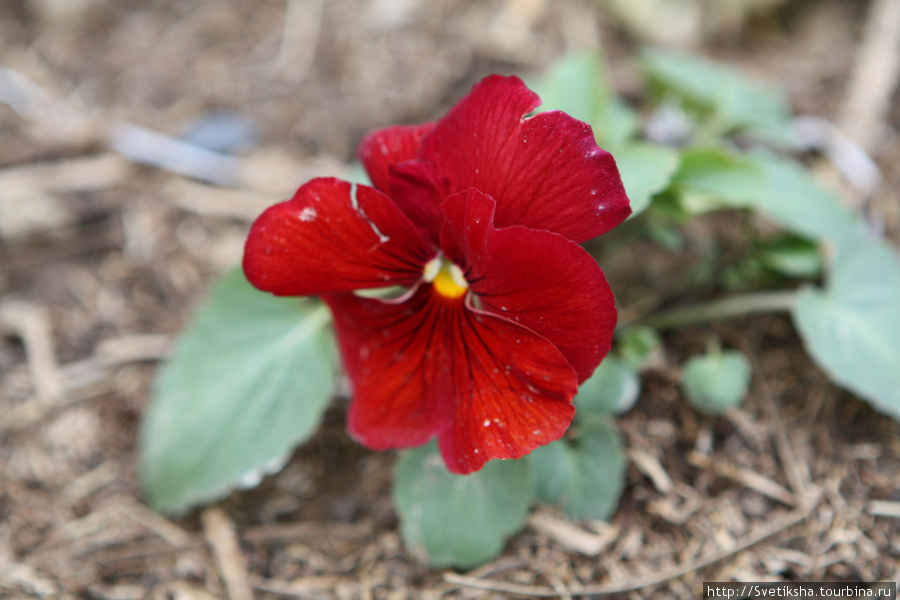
[545, 172]
[388, 146]
[487, 387]
[536, 278]
[417, 191]
[318, 242]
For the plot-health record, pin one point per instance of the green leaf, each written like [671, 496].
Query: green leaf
[612, 389]
[248, 381]
[714, 178]
[783, 190]
[576, 84]
[852, 329]
[615, 126]
[716, 382]
[459, 520]
[719, 95]
[792, 256]
[796, 201]
[646, 170]
[586, 476]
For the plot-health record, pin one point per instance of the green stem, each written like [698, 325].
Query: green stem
[726, 308]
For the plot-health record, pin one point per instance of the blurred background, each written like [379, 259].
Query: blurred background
[138, 139]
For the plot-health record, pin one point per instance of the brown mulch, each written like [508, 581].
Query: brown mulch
[101, 261]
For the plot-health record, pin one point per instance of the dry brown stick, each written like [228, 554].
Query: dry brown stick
[94, 172]
[789, 520]
[299, 37]
[782, 443]
[32, 325]
[222, 537]
[874, 76]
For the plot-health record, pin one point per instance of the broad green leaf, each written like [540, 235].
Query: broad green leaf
[615, 126]
[247, 382]
[578, 84]
[721, 97]
[792, 256]
[646, 170]
[713, 178]
[459, 520]
[852, 328]
[612, 389]
[716, 382]
[585, 477]
[796, 201]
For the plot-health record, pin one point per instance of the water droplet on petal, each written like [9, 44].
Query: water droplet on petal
[308, 214]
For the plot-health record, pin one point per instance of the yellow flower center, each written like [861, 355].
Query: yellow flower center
[447, 278]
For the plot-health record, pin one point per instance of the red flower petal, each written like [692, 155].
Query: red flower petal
[536, 278]
[417, 191]
[387, 146]
[319, 242]
[487, 387]
[545, 172]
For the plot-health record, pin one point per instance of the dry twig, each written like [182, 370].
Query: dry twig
[32, 325]
[874, 76]
[223, 539]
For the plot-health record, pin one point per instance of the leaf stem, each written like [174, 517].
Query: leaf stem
[725, 308]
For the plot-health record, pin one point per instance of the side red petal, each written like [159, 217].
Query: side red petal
[545, 172]
[536, 278]
[429, 366]
[318, 242]
[388, 146]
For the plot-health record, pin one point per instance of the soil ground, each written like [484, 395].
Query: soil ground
[102, 260]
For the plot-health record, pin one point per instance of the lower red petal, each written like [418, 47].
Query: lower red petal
[431, 366]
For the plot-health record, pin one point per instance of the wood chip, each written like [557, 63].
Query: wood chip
[78, 174]
[649, 466]
[884, 508]
[222, 537]
[164, 528]
[133, 348]
[571, 536]
[874, 76]
[32, 324]
[300, 587]
[758, 483]
[91, 481]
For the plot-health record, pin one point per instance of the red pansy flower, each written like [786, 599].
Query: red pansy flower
[479, 215]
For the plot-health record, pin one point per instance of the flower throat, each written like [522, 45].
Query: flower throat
[446, 277]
